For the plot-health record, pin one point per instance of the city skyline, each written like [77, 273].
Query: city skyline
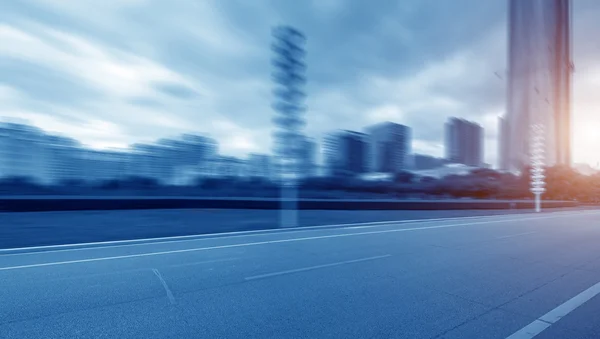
[77, 77]
[313, 146]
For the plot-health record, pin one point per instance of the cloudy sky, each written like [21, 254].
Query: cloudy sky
[113, 72]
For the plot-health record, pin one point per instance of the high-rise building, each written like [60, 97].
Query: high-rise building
[389, 147]
[345, 152]
[464, 142]
[539, 80]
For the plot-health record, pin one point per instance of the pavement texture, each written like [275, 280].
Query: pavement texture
[475, 277]
[55, 228]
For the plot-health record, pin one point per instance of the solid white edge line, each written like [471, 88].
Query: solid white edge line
[238, 233]
[550, 318]
[162, 240]
[515, 235]
[263, 243]
[204, 262]
[310, 268]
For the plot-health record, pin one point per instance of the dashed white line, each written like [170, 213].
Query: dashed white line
[278, 241]
[548, 319]
[304, 269]
[165, 286]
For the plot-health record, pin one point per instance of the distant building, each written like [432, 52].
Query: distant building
[259, 165]
[389, 147]
[166, 160]
[97, 166]
[231, 167]
[503, 140]
[345, 152]
[23, 153]
[426, 162]
[464, 142]
[151, 161]
[307, 166]
[63, 159]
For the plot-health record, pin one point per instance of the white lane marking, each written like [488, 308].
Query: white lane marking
[531, 330]
[165, 286]
[304, 269]
[163, 240]
[516, 235]
[550, 318]
[203, 262]
[356, 227]
[262, 243]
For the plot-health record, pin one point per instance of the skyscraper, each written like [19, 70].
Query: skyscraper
[539, 80]
[389, 147]
[346, 153]
[464, 142]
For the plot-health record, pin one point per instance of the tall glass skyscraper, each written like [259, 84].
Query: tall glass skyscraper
[539, 80]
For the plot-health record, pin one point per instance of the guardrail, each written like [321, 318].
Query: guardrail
[61, 203]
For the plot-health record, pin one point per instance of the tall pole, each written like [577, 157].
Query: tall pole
[289, 78]
[537, 164]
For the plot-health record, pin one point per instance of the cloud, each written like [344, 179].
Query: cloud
[139, 70]
[175, 90]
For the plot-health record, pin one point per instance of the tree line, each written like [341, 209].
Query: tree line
[562, 183]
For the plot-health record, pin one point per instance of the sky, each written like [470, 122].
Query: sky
[115, 72]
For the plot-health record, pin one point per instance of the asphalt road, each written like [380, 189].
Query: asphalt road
[56, 228]
[480, 277]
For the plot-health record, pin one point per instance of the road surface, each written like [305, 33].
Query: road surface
[56, 228]
[508, 276]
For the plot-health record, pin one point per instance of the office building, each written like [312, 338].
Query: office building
[345, 153]
[23, 152]
[259, 166]
[389, 147]
[307, 160]
[63, 159]
[464, 142]
[539, 80]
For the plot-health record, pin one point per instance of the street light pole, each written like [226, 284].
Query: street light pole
[289, 78]
[537, 164]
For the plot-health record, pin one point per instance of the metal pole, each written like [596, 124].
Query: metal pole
[537, 164]
[288, 202]
[289, 209]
